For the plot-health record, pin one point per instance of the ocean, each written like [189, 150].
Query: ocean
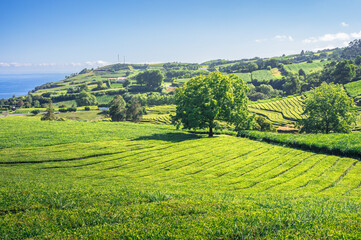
[21, 84]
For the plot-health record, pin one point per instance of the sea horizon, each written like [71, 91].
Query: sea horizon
[19, 84]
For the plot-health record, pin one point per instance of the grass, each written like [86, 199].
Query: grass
[76, 180]
[353, 88]
[280, 111]
[245, 76]
[276, 73]
[105, 99]
[315, 66]
[82, 115]
[335, 143]
[262, 75]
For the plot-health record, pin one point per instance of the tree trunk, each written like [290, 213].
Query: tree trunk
[210, 134]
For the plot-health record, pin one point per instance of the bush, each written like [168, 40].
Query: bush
[263, 124]
[87, 108]
[63, 110]
[71, 109]
[35, 112]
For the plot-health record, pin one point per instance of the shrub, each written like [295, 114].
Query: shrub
[63, 110]
[35, 112]
[263, 124]
[71, 109]
[87, 108]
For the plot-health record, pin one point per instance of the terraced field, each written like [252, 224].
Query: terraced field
[315, 66]
[280, 111]
[353, 88]
[157, 119]
[137, 181]
[159, 114]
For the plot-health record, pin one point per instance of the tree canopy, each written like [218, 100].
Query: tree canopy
[328, 109]
[86, 99]
[151, 78]
[117, 110]
[204, 99]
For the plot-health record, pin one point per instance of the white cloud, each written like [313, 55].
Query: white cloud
[2, 64]
[356, 35]
[333, 37]
[98, 63]
[261, 40]
[343, 24]
[323, 48]
[276, 38]
[283, 38]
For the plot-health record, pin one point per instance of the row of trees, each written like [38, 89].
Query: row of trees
[120, 110]
[342, 72]
[206, 99]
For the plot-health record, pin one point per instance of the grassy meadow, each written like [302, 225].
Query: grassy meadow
[315, 66]
[104, 180]
[353, 88]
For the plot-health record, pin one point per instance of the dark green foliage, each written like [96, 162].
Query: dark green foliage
[134, 110]
[292, 85]
[86, 99]
[301, 72]
[126, 83]
[83, 87]
[71, 109]
[358, 60]
[353, 49]
[263, 124]
[85, 70]
[101, 86]
[328, 109]
[87, 108]
[49, 115]
[117, 110]
[153, 79]
[252, 67]
[344, 72]
[62, 110]
[255, 96]
[205, 99]
[35, 111]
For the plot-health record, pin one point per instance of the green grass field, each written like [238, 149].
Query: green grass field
[262, 75]
[280, 111]
[103, 180]
[353, 88]
[245, 76]
[315, 66]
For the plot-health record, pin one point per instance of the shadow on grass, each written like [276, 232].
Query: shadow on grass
[170, 137]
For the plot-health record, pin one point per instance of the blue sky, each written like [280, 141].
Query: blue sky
[66, 36]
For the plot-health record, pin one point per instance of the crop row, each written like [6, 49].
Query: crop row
[104, 180]
[290, 108]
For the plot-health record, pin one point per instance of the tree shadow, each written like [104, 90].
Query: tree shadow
[170, 137]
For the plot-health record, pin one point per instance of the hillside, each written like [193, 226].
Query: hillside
[86, 180]
[120, 79]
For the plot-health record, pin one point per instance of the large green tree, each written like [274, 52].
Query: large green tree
[151, 78]
[134, 110]
[117, 110]
[327, 108]
[204, 99]
[344, 72]
[86, 99]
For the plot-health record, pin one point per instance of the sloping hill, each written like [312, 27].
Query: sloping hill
[281, 111]
[149, 181]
